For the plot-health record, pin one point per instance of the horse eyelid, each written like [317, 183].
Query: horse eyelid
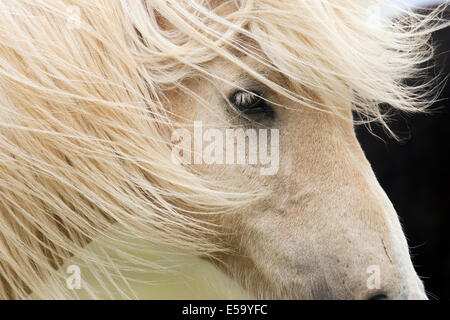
[259, 107]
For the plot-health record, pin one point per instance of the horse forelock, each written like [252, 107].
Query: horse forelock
[84, 109]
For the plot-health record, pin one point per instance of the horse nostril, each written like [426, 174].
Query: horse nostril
[378, 297]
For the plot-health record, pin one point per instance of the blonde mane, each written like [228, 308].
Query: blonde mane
[85, 111]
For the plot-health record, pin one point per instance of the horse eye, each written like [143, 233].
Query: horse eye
[249, 103]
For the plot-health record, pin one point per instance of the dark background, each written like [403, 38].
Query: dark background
[415, 174]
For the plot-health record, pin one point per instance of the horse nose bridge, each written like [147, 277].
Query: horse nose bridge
[365, 267]
[368, 256]
[356, 194]
[371, 258]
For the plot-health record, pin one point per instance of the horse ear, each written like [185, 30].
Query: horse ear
[168, 24]
[162, 22]
[152, 24]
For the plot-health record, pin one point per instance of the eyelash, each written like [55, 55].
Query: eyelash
[251, 103]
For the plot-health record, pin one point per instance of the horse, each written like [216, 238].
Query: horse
[101, 101]
[414, 175]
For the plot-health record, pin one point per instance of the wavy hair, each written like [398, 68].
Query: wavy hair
[85, 90]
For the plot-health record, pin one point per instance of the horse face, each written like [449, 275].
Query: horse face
[324, 227]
